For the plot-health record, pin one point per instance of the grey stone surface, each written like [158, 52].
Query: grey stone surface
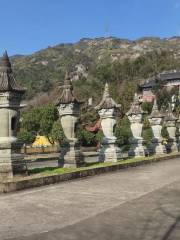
[140, 203]
[107, 110]
[155, 216]
[135, 116]
[69, 111]
[51, 160]
[11, 161]
[156, 121]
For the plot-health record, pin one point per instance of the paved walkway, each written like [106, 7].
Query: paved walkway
[140, 203]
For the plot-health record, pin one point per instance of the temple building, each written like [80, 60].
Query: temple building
[167, 79]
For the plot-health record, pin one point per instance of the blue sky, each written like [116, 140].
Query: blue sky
[27, 26]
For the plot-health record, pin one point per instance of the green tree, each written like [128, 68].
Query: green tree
[26, 137]
[86, 138]
[57, 133]
[38, 121]
[49, 115]
[147, 107]
[123, 132]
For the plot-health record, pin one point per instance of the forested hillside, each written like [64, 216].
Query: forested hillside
[92, 62]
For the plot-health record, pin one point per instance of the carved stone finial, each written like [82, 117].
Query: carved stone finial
[5, 60]
[135, 107]
[107, 102]
[69, 112]
[67, 95]
[109, 151]
[155, 111]
[155, 120]
[106, 90]
[8, 82]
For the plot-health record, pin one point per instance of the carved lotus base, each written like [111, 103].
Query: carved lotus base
[109, 151]
[157, 147]
[137, 149]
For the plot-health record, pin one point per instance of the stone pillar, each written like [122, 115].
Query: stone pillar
[178, 133]
[11, 158]
[156, 119]
[170, 123]
[135, 116]
[107, 110]
[69, 111]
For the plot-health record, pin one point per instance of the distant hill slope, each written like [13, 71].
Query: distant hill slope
[93, 61]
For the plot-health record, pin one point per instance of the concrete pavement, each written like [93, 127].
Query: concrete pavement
[140, 203]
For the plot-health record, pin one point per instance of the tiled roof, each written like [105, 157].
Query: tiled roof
[151, 83]
[161, 77]
[170, 76]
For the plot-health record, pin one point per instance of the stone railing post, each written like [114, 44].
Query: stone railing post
[156, 120]
[170, 123]
[69, 111]
[135, 116]
[11, 158]
[107, 110]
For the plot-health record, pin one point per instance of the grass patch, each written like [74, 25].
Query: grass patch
[57, 170]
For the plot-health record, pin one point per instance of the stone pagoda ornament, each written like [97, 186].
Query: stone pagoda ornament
[135, 116]
[156, 120]
[107, 110]
[11, 160]
[69, 112]
[170, 123]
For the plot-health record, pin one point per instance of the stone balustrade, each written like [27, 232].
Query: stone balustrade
[69, 111]
[11, 158]
[107, 110]
[135, 116]
[69, 108]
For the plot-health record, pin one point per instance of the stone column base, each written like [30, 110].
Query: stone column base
[11, 162]
[172, 145]
[137, 149]
[157, 147]
[71, 156]
[110, 153]
[178, 143]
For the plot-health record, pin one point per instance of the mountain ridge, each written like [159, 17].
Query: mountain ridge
[42, 71]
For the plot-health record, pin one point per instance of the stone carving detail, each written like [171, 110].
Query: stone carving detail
[170, 123]
[11, 160]
[135, 116]
[107, 110]
[156, 120]
[69, 111]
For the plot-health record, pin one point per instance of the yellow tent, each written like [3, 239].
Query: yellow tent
[41, 141]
